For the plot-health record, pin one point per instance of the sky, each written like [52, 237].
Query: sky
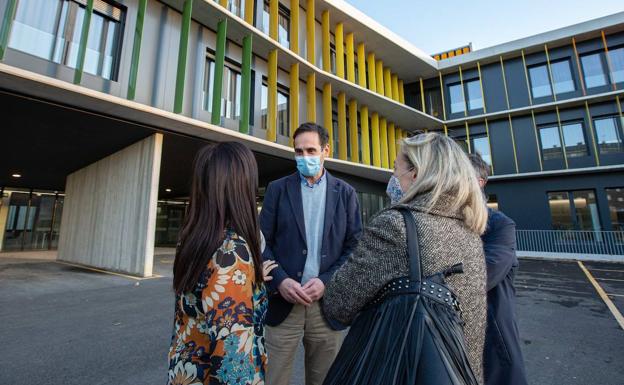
[436, 26]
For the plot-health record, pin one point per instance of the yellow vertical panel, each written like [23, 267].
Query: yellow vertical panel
[401, 92]
[609, 66]
[353, 131]
[339, 36]
[294, 99]
[327, 115]
[422, 95]
[379, 74]
[552, 85]
[372, 79]
[350, 57]
[310, 28]
[326, 41]
[311, 97]
[442, 93]
[361, 65]
[249, 11]
[387, 78]
[468, 138]
[392, 141]
[395, 87]
[563, 145]
[383, 134]
[513, 143]
[537, 146]
[294, 25]
[578, 67]
[481, 85]
[223, 3]
[375, 136]
[272, 95]
[273, 19]
[461, 82]
[526, 76]
[504, 81]
[365, 135]
[342, 126]
[591, 133]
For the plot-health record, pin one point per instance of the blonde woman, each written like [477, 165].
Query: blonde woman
[412, 301]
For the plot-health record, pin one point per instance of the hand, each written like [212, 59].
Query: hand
[267, 267]
[292, 292]
[314, 288]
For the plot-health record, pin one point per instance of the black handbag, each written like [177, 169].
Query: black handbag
[410, 334]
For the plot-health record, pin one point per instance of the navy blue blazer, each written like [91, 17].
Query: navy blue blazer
[283, 226]
[502, 357]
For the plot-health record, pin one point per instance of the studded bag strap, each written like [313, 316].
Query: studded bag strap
[412, 245]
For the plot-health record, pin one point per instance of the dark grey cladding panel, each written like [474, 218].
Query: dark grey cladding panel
[601, 109]
[493, 87]
[502, 147]
[516, 83]
[477, 129]
[526, 145]
[615, 39]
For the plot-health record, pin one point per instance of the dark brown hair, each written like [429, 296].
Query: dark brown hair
[223, 196]
[313, 127]
[480, 166]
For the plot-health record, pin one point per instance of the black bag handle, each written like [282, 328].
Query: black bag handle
[413, 250]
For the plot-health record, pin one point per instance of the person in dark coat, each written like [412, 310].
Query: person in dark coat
[503, 363]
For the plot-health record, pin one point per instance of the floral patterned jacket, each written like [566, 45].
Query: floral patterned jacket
[218, 332]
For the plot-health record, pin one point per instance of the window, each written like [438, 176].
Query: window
[264, 105]
[236, 7]
[52, 30]
[473, 92]
[283, 23]
[283, 105]
[551, 142]
[616, 58]
[231, 93]
[433, 102]
[457, 98]
[574, 139]
[574, 210]
[540, 81]
[481, 145]
[615, 197]
[593, 70]
[562, 77]
[208, 84]
[608, 135]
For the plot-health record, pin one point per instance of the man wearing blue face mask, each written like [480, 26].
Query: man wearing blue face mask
[311, 223]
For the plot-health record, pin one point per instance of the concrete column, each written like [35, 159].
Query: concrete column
[109, 213]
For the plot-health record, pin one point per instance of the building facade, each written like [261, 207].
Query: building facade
[107, 102]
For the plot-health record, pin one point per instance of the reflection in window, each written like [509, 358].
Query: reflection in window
[608, 135]
[282, 112]
[616, 58]
[481, 145]
[615, 197]
[283, 23]
[593, 70]
[52, 30]
[560, 211]
[457, 98]
[575, 210]
[551, 142]
[574, 139]
[586, 210]
[208, 84]
[540, 82]
[433, 101]
[562, 77]
[473, 93]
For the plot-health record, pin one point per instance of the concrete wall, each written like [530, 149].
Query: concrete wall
[109, 214]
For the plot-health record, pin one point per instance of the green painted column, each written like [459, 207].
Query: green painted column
[136, 49]
[182, 53]
[84, 38]
[243, 125]
[218, 73]
[9, 14]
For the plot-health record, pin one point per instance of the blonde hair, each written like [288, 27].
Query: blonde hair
[442, 167]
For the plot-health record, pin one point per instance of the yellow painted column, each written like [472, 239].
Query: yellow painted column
[326, 41]
[365, 135]
[249, 11]
[327, 115]
[395, 87]
[392, 141]
[372, 79]
[310, 27]
[272, 95]
[376, 145]
[379, 73]
[294, 99]
[401, 92]
[361, 65]
[273, 19]
[353, 131]
[339, 50]
[342, 126]
[311, 97]
[387, 78]
[350, 58]
[294, 25]
[383, 134]
[223, 3]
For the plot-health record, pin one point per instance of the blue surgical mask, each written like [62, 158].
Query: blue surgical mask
[308, 165]
[394, 190]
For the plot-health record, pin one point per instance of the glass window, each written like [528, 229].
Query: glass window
[481, 145]
[283, 104]
[586, 210]
[208, 84]
[231, 91]
[540, 81]
[492, 201]
[560, 211]
[574, 139]
[52, 30]
[457, 98]
[615, 197]
[473, 92]
[283, 23]
[562, 77]
[608, 135]
[236, 7]
[433, 101]
[264, 105]
[551, 142]
[593, 70]
[616, 58]
[574, 210]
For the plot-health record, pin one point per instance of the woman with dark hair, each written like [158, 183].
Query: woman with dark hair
[221, 300]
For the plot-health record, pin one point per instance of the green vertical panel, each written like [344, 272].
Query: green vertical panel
[243, 125]
[182, 53]
[9, 14]
[136, 49]
[84, 38]
[218, 73]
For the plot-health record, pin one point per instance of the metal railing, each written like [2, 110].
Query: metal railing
[571, 242]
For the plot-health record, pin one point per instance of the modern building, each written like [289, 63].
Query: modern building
[105, 104]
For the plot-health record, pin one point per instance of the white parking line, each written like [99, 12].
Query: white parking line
[614, 310]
